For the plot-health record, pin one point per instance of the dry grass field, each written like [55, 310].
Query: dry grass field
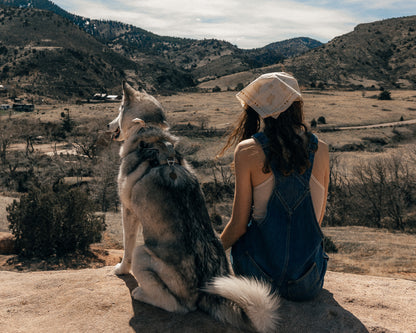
[361, 250]
[220, 110]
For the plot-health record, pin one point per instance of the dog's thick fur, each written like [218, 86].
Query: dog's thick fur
[182, 265]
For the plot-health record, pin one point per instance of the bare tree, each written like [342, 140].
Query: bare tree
[104, 185]
[399, 190]
[91, 139]
[339, 194]
[371, 181]
[4, 144]
[385, 185]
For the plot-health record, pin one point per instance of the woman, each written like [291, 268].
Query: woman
[282, 175]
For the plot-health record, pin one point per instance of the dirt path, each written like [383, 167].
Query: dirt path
[396, 123]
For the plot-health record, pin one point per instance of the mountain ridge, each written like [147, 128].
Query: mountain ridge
[378, 54]
[167, 63]
[372, 56]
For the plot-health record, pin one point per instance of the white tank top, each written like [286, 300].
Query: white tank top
[263, 191]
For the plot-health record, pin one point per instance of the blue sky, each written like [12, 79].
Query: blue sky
[245, 23]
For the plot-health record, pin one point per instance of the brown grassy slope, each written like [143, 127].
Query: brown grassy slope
[221, 110]
[378, 54]
[43, 54]
[46, 55]
[381, 53]
[162, 62]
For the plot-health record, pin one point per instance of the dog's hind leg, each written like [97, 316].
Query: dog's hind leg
[130, 231]
[152, 290]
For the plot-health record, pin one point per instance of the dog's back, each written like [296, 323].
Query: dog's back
[176, 224]
[168, 201]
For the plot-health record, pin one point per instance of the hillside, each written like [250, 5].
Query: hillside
[375, 55]
[381, 53]
[63, 55]
[173, 63]
[201, 57]
[205, 59]
[44, 54]
[293, 47]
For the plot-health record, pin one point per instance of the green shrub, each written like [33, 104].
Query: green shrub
[239, 86]
[54, 220]
[321, 120]
[329, 245]
[216, 220]
[385, 95]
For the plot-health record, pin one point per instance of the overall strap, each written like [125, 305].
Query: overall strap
[313, 142]
[313, 146]
[263, 140]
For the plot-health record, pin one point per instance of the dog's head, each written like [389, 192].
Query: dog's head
[136, 110]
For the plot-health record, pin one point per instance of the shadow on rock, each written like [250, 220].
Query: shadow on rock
[322, 314]
[150, 319]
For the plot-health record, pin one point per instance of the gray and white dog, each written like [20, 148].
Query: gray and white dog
[182, 265]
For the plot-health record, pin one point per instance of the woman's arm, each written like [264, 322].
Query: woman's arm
[237, 225]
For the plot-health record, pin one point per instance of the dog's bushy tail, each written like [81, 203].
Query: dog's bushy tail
[249, 301]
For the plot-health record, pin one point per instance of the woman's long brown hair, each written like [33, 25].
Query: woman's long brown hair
[288, 151]
[247, 125]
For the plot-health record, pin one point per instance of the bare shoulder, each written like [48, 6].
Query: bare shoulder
[250, 152]
[248, 147]
[247, 143]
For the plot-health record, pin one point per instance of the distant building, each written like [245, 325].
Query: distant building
[113, 97]
[105, 97]
[24, 107]
[5, 106]
[3, 89]
[99, 97]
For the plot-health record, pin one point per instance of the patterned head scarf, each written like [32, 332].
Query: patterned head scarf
[271, 94]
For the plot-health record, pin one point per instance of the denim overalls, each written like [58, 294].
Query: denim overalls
[286, 247]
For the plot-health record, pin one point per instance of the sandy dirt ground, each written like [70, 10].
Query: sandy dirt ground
[95, 300]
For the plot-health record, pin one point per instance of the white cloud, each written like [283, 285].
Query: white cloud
[246, 23]
[379, 4]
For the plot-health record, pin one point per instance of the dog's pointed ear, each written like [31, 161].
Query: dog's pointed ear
[128, 92]
[139, 121]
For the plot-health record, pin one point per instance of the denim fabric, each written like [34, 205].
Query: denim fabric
[286, 247]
